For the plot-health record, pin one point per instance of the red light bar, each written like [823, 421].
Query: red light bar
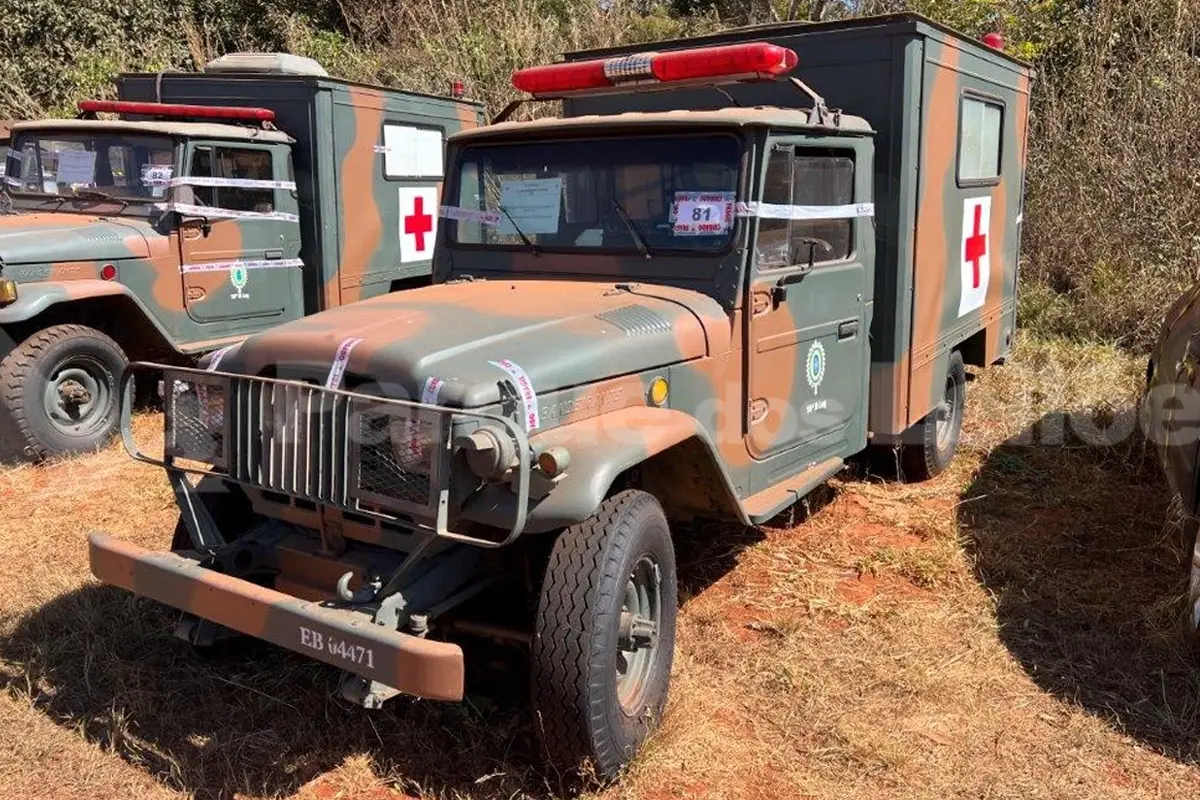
[179, 110]
[736, 62]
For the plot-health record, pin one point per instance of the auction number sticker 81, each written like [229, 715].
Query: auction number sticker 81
[354, 653]
[702, 213]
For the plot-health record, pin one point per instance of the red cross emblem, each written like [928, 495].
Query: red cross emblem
[976, 246]
[418, 223]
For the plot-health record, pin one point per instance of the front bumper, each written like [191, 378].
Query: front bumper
[343, 638]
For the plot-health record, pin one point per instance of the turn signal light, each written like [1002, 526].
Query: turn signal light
[8, 292]
[658, 391]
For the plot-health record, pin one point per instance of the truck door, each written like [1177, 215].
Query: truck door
[239, 236]
[809, 301]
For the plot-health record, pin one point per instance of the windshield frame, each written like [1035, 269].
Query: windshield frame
[608, 132]
[51, 132]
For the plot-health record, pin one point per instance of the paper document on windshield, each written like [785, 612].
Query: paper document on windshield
[533, 205]
[76, 166]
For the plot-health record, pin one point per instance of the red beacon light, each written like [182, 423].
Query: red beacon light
[994, 40]
[755, 61]
[178, 110]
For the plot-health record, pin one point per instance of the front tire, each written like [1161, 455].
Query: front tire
[59, 392]
[937, 434]
[604, 636]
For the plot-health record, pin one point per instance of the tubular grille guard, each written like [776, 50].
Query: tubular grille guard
[361, 453]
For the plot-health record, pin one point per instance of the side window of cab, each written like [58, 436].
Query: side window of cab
[237, 164]
[803, 217]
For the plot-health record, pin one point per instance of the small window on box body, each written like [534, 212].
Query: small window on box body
[412, 152]
[980, 126]
[801, 186]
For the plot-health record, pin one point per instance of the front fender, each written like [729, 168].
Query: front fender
[34, 298]
[601, 448]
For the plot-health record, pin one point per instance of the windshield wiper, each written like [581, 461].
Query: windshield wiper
[533, 248]
[643, 248]
[96, 194]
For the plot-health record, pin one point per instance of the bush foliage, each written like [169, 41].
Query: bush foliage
[1113, 189]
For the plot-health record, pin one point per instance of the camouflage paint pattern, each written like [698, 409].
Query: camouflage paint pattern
[419, 667]
[746, 428]
[348, 234]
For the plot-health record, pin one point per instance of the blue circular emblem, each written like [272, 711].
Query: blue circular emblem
[815, 372]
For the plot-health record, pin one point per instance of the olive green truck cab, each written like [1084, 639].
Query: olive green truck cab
[696, 294]
[221, 203]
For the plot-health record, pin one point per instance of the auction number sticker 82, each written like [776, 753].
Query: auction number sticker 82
[354, 653]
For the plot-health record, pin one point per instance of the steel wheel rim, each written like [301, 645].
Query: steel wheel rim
[637, 638]
[946, 414]
[64, 400]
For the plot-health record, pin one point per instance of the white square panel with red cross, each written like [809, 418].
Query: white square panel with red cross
[976, 251]
[418, 222]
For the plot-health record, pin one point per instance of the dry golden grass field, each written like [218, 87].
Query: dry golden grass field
[1008, 630]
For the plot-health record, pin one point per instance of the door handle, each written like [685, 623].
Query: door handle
[273, 255]
[848, 329]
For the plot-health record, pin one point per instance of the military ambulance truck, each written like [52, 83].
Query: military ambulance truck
[220, 204]
[694, 295]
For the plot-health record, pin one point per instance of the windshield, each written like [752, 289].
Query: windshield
[649, 194]
[113, 163]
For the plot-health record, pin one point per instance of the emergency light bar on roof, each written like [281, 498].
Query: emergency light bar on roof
[178, 110]
[754, 61]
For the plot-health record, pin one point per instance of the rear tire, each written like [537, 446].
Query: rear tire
[1191, 563]
[937, 434]
[604, 637]
[60, 392]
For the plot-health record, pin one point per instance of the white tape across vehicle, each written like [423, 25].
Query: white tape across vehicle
[469, 215]
[525, 390]
[777, 211]
[226, 213]
[159, 179]
[215, 358]
[340, 360]
[226, 266]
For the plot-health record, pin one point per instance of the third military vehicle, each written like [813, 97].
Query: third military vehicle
[697, 293]
[220, 203]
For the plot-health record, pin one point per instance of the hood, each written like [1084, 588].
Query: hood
[44, 238]
[559, 333]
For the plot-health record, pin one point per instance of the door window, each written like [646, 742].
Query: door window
[231, 162]
[802, 214]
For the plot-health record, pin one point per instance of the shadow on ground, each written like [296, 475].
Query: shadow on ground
[1077, 545]
[253, 718]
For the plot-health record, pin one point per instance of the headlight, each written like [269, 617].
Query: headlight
[196, 409]
[490, 453]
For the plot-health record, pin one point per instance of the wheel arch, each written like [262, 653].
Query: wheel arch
[662, 451]
[110, 308]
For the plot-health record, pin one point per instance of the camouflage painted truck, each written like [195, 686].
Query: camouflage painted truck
[694, 295]
[222, 203]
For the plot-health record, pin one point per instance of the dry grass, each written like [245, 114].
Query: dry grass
[1008, 630]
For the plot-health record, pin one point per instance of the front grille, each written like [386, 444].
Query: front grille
[335, 448]
[196, 416]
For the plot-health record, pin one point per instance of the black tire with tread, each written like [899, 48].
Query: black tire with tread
[923, 459]
[576, 712]
[26, 429]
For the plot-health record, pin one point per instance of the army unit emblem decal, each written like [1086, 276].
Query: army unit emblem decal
[815, 368]
[239, 277]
